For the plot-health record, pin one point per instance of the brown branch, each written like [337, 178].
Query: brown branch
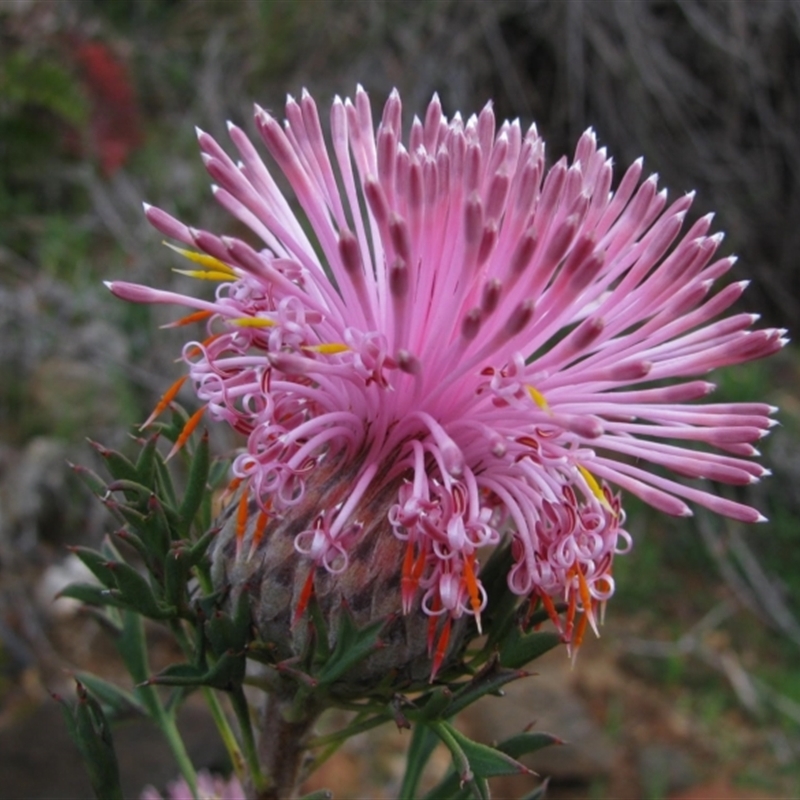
[282, 745]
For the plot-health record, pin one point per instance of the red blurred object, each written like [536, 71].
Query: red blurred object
[115, 122]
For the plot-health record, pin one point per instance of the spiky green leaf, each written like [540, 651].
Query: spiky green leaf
[518, 649]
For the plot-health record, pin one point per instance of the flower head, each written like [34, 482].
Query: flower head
[496, 342]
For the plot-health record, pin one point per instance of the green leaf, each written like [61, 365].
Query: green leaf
[92, 734]
[97, 564]
[109, 551]
[524, 743]
[319, 628]
[200, 547]
[499, 619]
[176, 575]
[434, 705]
[121, 704]
[319, 794]
[134, 541]
[226, 632]
[541, 615]
[518, 649]
[485, 761]
[449, 788]
[69, 716]
[92, 595]
[494, 573]
[423, 743]
[129, 515]
[173, 429]
[352, 645]
[221, 633]
[460, 761]
[117, 464]
[145, 464]
[163, 480]
[196, 485]
[218, 474]
[242, 620]
[135, 590]
[464, 773]
[95, 483]
[157, 530]
[181, 675]
[227, 674]
[479, 788]
[132, 647]
[134, 491]
[488, 681]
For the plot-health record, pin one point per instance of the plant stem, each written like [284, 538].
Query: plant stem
[251, 756]
[217, 712]
[282, 744]
[225, 731]
[170, 730]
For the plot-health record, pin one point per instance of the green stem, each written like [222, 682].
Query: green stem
[132, 647]
[242, 711]
[170, 730]
[226, 732]
[217, 712]
[423, 742]
[356, 726]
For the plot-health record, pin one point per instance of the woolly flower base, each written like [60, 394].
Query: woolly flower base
[494, 343]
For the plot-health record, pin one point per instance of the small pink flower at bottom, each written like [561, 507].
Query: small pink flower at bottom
[496, 342]
[209, 787]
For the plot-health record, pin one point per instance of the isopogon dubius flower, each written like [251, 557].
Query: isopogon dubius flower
[497, 342]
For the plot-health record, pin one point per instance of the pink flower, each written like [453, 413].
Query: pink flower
[209, 787]
[503, 341]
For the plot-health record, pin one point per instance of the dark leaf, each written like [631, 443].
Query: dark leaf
[352, 646]
[95, 483]
[518, 649]
[146, 463]
[135, 590]
[97, 564]
[434, 705]
[524, 743]
[92, 734]
[486, 761]
[118, 465]
[120, 704]
[92, 594]
[196, 486]
[488, 681]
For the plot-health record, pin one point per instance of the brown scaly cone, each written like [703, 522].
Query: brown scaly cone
[275, 573]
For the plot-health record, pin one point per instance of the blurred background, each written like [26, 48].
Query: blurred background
[695, 685]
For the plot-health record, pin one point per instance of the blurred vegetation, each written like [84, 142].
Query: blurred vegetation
[98, 102]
